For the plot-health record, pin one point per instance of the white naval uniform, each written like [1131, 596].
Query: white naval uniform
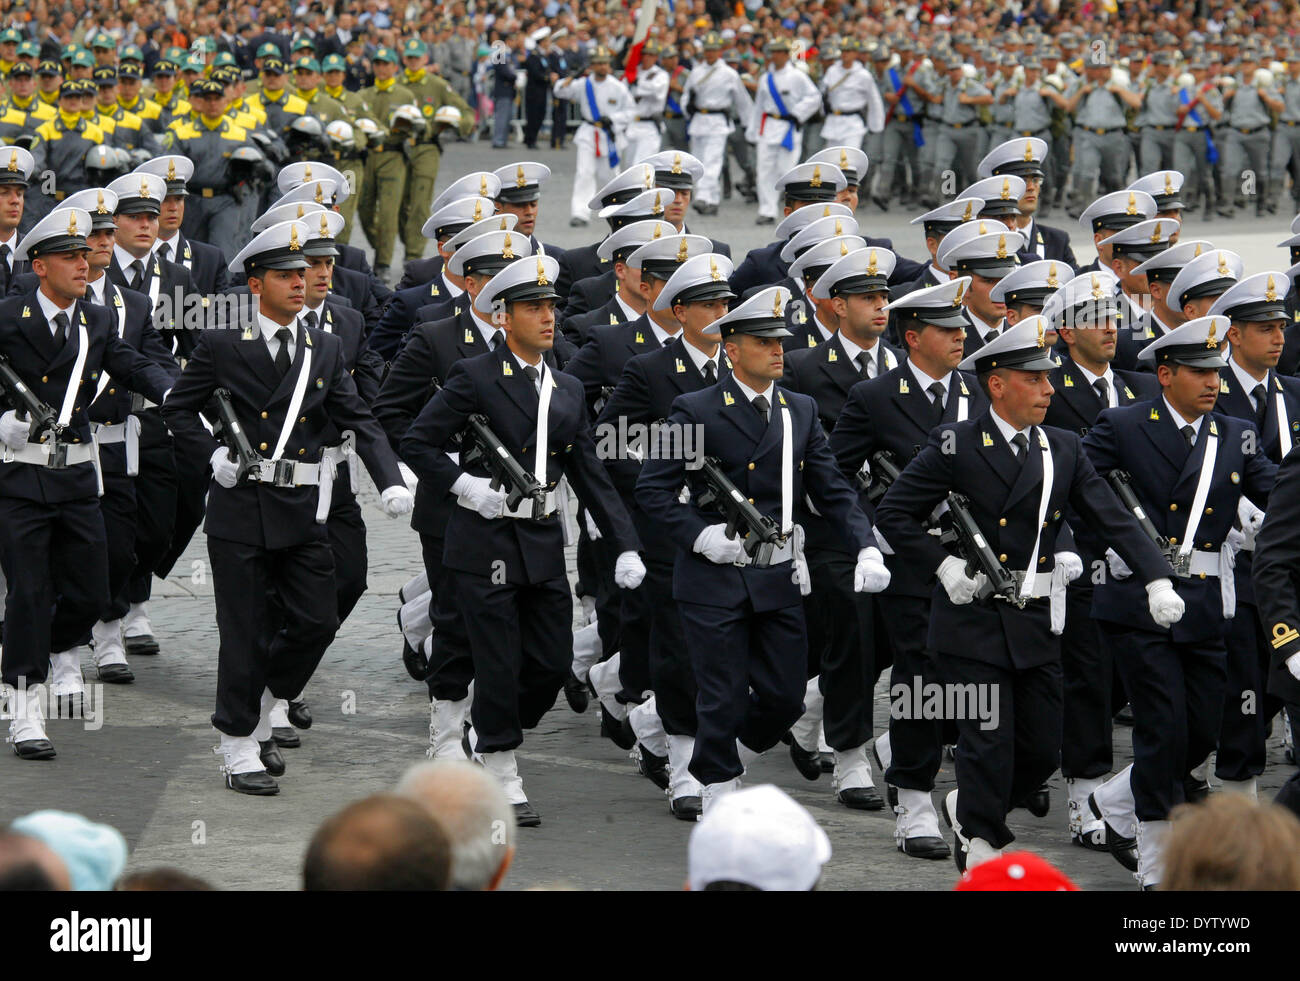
[849, 92]
[714, 91]
[592, 142]
[802, 100]
[650, 93]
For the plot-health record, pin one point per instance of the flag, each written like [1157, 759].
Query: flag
[643, 21]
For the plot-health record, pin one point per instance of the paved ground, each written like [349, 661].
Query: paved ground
[150, 770]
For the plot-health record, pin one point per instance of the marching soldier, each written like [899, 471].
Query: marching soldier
[904, 137]
[744, 624]
[1202, 280]
[22, 101]
[263, 536]
[786, 100]
[129, 85]
[1160, 271]
[62, 143]
[1195, 151]
[692, 360]
[1286, 140]
[582, 262]
[170, 97]
[52, 539]
[128, 131]
[650, 93]
[1188, 467]
[1087, 382]
[521, 195]
[1018, 476]
[350, 160]
[205, 262]
[959, 97]
[1111, 213]
[16, 168]
[985, 259]
[431, 93]
[853, 104]
[813, 321]
[1158, 116]
[1034, 104]
[384, 180]
[1098, 103]
[606, 109]
[280, 105]
[936, 225]
[520, 638]
[713, 93]
[1248, 107]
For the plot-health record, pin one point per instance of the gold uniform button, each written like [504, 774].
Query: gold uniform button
[751, 500]
[1002, 557]
[1042, 560]
[263, 415]
[262, 447]
[1002, 522]
[302, 451]
[751, 465]
[112, 391]
[1209, 510]
[1173, 507]
[1202, 575]
[303, 419]
[45, 378]
[1173, 541]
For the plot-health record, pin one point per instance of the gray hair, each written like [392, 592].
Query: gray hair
[471, 807]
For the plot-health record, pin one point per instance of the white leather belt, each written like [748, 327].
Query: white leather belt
[524, 509]
[286, 473]
[1042, 585]
[57, 456]
[123, 432]
[1203, 564]
[787, 551]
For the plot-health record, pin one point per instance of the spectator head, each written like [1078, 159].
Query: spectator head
[758, 838]
[29, 865]
[1015, 872]
[94, 854]
[1230, 842]
[479, 821]
[382, 842]
[162, 879]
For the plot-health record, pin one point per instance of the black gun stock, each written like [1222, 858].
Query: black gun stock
[977, 553]
[233, 435]
[44, 420]
[884, 470]
[760, 534]
[1121, 483]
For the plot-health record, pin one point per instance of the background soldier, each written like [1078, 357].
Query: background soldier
[384, 180]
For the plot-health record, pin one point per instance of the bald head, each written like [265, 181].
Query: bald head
[383, 842]
[28, 864]
[470, 806]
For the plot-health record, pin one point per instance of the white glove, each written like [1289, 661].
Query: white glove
[1293, 665]
[961, 588]
[408, 476]
[396, 500]
[629, 570]
[592, 531]
[225, 471]
[1236, 541]
[870, 574]
[1252, 519]
[715, 546]
[477, 492]
[1071, 565]
[1118, 567]
[13, 431]
[1166, 606]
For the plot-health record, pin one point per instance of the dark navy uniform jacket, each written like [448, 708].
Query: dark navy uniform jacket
[1277, 577]
[973, 458]
[750, 453]
[1144, 440]
[522, 551]
[599, 362]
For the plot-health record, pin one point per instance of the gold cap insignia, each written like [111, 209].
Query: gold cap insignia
[13, 160]
[1223, 265]
[144, 188]
[301, 211]
[1042, 338]
[1155, 236]
[306, 172]
[482, 186]
[293, 239]
[1029, 152]
[541, 273]
[1209, 340]
[72, 223]
[844, 248]
[324, 226]
[505, 224]
[649, 175]
[839, 227]
[677, 164]
[1270, 292]
[983, 228]
[1132, 208]
[99, 203]
[508, 250]
[966, 214]
[1096, 288]
[826, 211]
[816, 180]
[956, 300]
[1198, 250]
[478, 211]
[713, 269]
[1169, 184]
[658, 208]
[171, 170]
[658, 231]
[1006, 189]
[320, 194]
[682, 251]
[844, 160]
[776, 305]
[520, 179]
[1002, 247]
[872, 268]
[1052, 281]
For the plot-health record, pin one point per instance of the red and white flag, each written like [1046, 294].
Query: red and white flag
[644, 20]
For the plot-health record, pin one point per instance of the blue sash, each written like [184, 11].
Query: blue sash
[596, 119]
[1211, 151]
[674, 105]
[906, 103]
[788, 142]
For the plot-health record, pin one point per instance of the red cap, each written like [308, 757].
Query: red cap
[1015, 872]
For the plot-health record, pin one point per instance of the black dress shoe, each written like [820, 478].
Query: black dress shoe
[414, 661]
[827, 761]
[1094, 841]
[271, 758]
[653, 768]
[34, 749]
[764, 220]
[285, 737]
[1195, 790]
[883, 205]
[115, 674]
[808, 764]
[925, 846]
[575, 693]
[259, 783]
[299, 715]
[1124, 849]
[617, 731]
[861, 799]
[1038, 802]
[141, 645]
[686, 808]
[525, 816]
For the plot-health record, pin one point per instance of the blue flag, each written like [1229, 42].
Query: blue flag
[594, 106]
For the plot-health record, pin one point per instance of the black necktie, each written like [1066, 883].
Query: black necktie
[282, 359]
[1261, 405]
[991, 335]
[762, 405]
[163, 251]
[137, 274]
[532, 374]
[1021, 443]
[936, 389]
[1103, 391]
[498, 338]
[864, 364]
[310, 318]
[1189, 434]
[710, 372]
[90, 295]
[60, 330]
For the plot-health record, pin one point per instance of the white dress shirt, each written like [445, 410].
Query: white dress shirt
[1248, 382]
[1109, 376]
[50, 309]
[701, 359]
[925, 381]
[268, 327]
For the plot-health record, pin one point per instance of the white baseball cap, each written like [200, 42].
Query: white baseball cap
[759, 836]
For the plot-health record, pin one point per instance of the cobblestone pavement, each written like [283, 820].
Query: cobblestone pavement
[151, 772]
